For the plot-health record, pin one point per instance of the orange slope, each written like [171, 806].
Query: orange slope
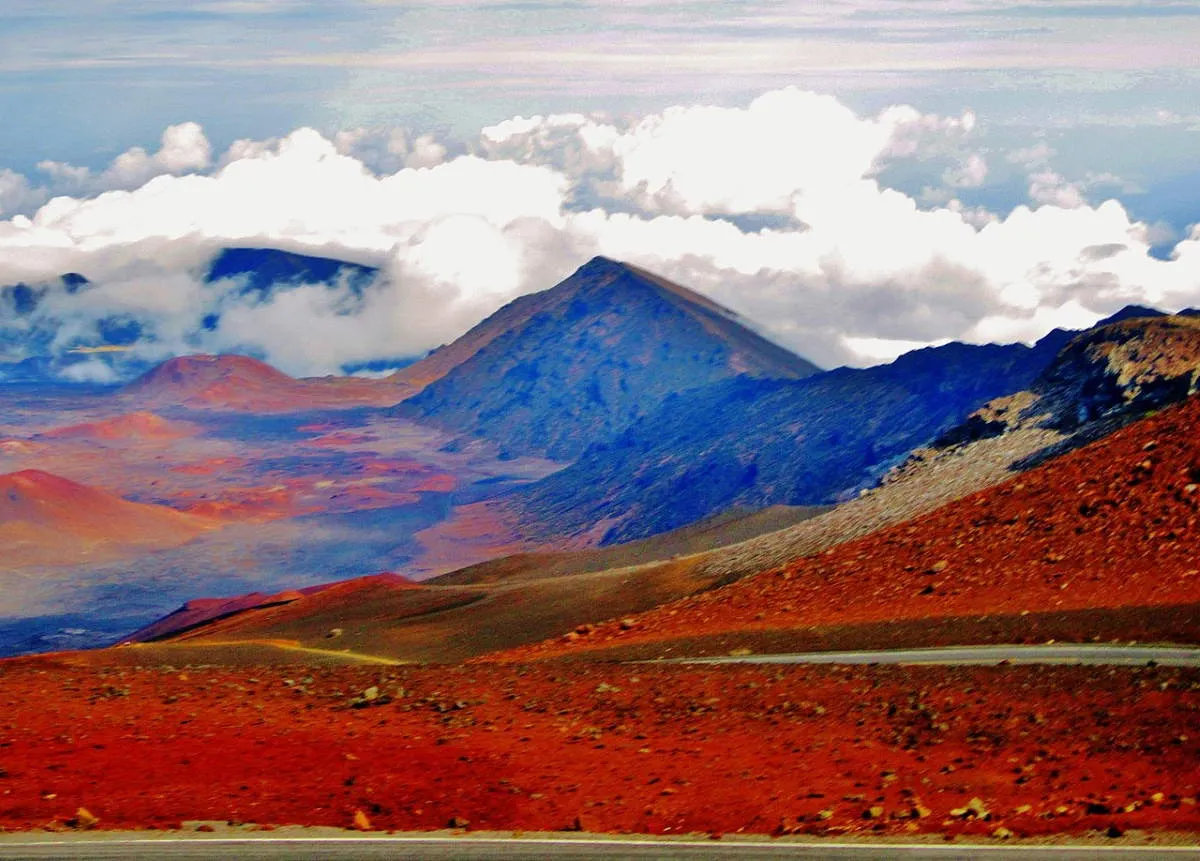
[1114, 526]
[49, 520]
[231, 382]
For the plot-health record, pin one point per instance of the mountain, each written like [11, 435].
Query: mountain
[1115, 371]
[1096, 545]
[49, 520]
[753, 443]
[30, 349]
[553, 372]
[264, 269]
[231, 382]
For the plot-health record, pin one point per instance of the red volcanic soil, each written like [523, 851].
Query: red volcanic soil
[210, 466]
[49, 520]
[1113, 525]
[206, 611]
[141, 426]
[240, 383]
[604, 748]
[244, 503]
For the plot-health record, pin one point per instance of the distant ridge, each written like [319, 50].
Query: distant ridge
[1136, 360]
[552, 372]
[46, 519]
[232, 382]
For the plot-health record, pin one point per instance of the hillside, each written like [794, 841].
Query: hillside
[1094, 544]
[49, 520]
[231, 382]
[756, 443]
[264, 269]
[553, 372]
[495, 605]
[1114, 370]
[144, 427]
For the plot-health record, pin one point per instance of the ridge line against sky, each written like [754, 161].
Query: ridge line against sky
[763, 153]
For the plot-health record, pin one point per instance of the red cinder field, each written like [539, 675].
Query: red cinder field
[605, 748]
[1099, 544]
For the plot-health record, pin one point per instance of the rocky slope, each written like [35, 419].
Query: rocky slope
[556, 371]
[1109, 527]
[1110, 372]
[762, 442]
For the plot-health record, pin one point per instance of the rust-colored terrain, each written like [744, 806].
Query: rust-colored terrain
[988, 751]
[1111, 527]
[234, 382]
[48, 520]
[493, 697]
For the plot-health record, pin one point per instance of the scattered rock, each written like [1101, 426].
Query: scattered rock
[627, 624]
[370, 697]
[1001, 833]
[875, 812]
[333, 633]
[975, 809]
[362, 822]
[459, 822]
[83, 820]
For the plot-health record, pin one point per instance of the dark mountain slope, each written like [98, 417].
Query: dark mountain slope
[763, 442]
[1111, 373]
[554, 372]
[265, 268]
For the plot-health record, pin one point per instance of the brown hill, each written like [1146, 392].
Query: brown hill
[141, 426]
[231, 382]
[1095, 544]
[492, 606]
[49, 520]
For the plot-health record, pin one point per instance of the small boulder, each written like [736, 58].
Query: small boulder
[83, 820]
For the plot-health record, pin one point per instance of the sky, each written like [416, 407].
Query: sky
[857, 177]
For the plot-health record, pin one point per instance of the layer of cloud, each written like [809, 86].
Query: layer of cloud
[776, 209]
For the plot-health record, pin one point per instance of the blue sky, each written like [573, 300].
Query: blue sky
[1048, 105]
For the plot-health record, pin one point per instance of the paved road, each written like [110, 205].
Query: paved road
[1064, 653]
[478, 849]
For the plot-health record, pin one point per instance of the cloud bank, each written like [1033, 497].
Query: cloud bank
[776, 209]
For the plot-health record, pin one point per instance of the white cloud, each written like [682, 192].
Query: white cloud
[970, 174]
[17, 194]
[1036, 155]
[1050, 187]
[183, 149]
[849, 270]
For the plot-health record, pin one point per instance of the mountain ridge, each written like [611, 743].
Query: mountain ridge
[625, 339]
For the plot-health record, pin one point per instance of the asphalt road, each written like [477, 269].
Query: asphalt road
[486, 849]
[1064, 653]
